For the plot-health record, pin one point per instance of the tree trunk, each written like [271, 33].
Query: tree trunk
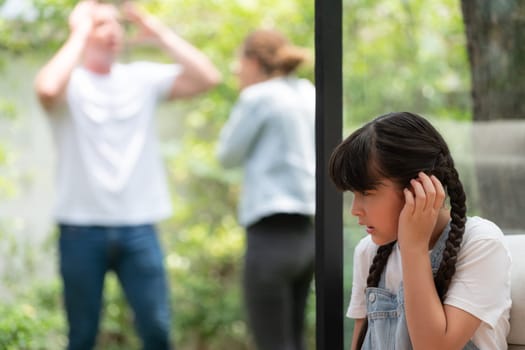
[495, 31]
[496, 47]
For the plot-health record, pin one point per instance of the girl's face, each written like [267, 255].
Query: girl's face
[379, 210]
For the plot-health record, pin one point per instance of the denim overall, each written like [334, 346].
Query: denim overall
[387, 325]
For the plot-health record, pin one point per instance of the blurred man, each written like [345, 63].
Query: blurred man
[111, 186]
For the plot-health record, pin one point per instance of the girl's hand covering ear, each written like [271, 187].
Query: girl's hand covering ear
[419, 215]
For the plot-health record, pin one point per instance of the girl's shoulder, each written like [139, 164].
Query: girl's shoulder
[478, 228]
[482, 235]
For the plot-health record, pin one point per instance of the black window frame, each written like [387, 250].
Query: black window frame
[329, 201]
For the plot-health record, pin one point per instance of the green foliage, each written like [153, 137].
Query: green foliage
[404, 55]
[7, 186]
[205, 267]
[204, 245]
[32, 323]
[43, 31]
[7, 109]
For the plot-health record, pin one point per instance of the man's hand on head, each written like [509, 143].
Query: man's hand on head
[81, 18]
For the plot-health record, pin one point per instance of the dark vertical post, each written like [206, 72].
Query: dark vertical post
[329, 223]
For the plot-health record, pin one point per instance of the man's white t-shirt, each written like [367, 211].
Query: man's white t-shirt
[480, 286]
[109, 169]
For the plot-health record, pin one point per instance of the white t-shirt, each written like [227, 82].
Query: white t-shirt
[480, 286]
[109, 170]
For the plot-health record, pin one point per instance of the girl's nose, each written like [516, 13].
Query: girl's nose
[356, 209]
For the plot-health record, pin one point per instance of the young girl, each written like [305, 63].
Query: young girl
[425, 277]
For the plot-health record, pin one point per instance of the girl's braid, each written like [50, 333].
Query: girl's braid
[378, 264]
[458, 211]
[374, 275]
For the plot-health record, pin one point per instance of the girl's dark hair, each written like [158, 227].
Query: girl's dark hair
[273, 51]
[398, 146]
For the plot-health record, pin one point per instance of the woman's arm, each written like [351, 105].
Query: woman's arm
[239, 133]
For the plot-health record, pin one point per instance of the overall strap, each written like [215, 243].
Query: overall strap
[437, 252]
[435, 257]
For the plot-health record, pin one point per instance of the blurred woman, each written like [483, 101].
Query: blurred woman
[270, 133]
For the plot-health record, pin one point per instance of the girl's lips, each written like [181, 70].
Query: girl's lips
[368, 229]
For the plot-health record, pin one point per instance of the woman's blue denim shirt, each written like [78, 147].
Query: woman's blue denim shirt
[271, 134]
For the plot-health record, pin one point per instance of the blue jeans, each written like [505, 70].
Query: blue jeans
[135, 255]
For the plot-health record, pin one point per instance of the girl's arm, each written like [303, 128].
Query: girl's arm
[358, 324]
[431, 324]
